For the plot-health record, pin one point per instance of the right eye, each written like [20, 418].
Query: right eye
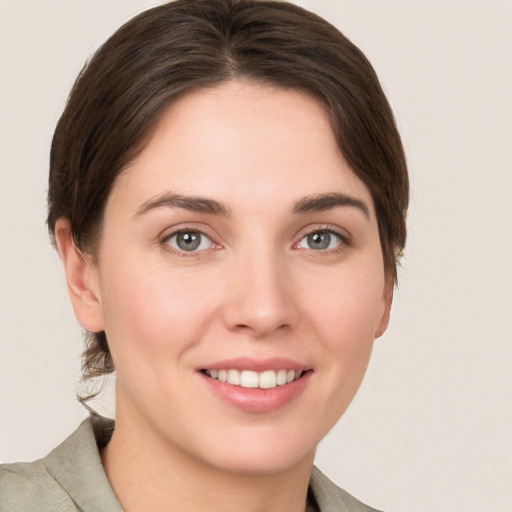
[188, 240]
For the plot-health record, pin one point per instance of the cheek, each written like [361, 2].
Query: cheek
[153, 321]
[346, 317]
[350, 307]
[152, 306]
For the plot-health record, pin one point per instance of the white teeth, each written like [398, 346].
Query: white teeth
[268, 379]
[281, 377]
[234, 377]
[248, 379]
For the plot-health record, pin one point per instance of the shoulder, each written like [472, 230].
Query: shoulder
[331, 498]
[68, 479]
[30, 487]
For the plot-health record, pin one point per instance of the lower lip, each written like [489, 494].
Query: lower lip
[256, 399]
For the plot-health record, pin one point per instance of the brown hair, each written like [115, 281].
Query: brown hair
[186, 45]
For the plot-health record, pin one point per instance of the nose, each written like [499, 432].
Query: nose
[260, 296]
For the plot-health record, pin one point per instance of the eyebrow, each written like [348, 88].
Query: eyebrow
[323, 202]
[307, 204]
[192, 203]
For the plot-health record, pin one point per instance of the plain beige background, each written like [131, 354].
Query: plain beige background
[431, 428]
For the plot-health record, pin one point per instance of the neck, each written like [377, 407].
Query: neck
[149, 474]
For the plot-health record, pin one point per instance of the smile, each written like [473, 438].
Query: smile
[257, 385]
[250, 379]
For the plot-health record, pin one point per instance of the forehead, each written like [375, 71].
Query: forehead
[242, 140]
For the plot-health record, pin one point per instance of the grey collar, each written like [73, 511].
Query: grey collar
[76, 466]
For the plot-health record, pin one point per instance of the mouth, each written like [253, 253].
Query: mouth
[267, 379]
[257, 385]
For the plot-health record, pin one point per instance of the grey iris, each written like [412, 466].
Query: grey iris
[319, 240]
[188, 240]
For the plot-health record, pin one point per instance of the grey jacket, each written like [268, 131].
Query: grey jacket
[71, 478]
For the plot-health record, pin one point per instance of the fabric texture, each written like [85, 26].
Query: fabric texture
[71, 478]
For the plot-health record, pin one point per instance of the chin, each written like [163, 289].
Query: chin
[264, 463]
[259, 452]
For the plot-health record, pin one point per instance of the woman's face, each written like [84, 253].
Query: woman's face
[239, 245]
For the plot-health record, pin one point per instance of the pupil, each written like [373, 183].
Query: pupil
[319, 240]
[188, 241]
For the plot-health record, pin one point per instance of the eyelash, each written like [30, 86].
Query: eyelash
[344, 241]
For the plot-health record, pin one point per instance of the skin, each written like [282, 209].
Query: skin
[255, 288]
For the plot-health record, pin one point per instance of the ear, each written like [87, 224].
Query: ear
[387, 299]
[82, 279]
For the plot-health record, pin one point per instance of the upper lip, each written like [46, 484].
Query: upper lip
[256, 365]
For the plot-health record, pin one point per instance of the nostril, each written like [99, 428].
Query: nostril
[260, 328]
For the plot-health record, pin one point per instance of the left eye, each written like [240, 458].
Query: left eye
[189, 241]
[320, 240]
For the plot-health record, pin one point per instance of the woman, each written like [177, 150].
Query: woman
[227, 194]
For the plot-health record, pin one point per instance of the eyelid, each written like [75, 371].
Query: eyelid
[313, 228]
[188, 226]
